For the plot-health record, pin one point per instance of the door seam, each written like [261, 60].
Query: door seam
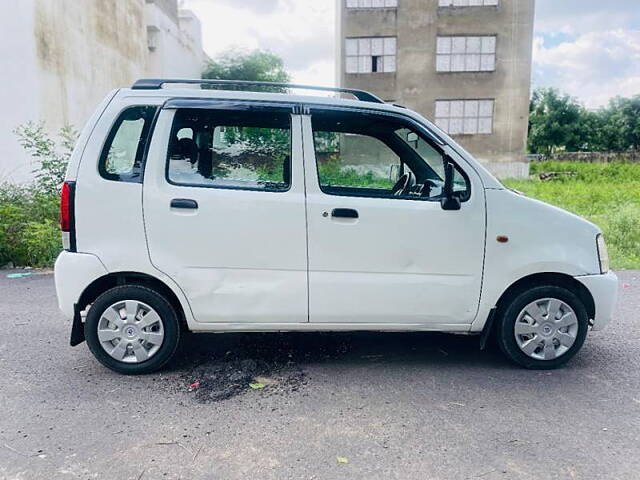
[306, 210]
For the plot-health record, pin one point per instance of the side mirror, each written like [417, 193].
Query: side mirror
[449, 201]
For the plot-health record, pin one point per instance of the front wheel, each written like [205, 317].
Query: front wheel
[132, 330]
[543, 327]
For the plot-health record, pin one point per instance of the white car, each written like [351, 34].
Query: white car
[205, 210]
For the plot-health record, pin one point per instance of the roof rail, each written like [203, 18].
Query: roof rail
[157, 83]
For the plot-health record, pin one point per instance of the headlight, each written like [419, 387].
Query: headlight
[603, 255]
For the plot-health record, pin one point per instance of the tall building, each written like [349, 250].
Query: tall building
[59, 59]
[464, 64]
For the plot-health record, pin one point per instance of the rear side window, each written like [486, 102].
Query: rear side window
[122, 155]
[244, 150]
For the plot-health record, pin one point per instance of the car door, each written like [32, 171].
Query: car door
[224, 209]
[380, 257]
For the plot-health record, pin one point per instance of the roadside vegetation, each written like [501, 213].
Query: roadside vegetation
[608, 194]
[29, 214]
[560, 123]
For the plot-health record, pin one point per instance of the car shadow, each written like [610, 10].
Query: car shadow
[220, 366]
[305, 348]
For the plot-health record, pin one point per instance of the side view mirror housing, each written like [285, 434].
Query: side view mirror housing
[449, 201]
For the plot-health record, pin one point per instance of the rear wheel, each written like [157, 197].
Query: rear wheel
[132, 330]
[543, 327]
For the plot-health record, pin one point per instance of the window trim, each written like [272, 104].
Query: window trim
[348, 8]
[424, 133]
[246, 108]
[451, 5]
[146, 136]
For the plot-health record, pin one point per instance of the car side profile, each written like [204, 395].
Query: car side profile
[213, 210]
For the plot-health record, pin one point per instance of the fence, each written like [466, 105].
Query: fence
[588, 157]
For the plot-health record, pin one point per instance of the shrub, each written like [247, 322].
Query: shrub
[29, 231]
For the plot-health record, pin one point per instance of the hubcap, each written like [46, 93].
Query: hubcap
[130, 331]
[546, 329]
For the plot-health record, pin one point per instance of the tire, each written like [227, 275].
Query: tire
[540, 299]
[112, 314]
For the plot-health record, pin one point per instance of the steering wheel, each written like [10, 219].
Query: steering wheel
[427, 187]
[403, 185]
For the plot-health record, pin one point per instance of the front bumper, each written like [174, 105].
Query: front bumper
[604, 290]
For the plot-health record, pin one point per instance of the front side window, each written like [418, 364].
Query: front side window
[372, 156]
[123, 153]
[230, 149]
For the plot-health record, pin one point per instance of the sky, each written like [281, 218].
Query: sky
[587, 48]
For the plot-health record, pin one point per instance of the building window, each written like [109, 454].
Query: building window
[370, 55]
[466, 54]
[467, 3]
[465, 117]
[372, 3]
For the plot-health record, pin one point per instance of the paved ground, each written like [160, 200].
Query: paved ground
[395, 405]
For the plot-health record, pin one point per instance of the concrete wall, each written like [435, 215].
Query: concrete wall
[175, 44]
[59, 58]
[590, 157]
[417, 85]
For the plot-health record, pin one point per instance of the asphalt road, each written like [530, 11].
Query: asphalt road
[394, 405]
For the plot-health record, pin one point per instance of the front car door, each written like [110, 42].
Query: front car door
[382, 250]
[224, 209]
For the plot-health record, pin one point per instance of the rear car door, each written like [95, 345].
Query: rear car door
[224, 209]
[379, 255]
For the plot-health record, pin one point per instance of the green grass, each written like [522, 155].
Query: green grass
[606, 194]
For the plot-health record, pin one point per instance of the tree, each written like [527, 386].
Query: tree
[558, 122]
[258, 65]
[555, 122]
[621, 124]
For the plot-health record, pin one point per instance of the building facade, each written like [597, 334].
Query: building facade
[464, 64]
[60, 58]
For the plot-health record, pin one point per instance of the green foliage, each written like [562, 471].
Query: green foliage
[554, 122]
[621, 124]
[265, 141]
[29, 230]
[332, 173]
[29, 214]
[257, 65]
[51, 158]
[558, 122]
[608, 194]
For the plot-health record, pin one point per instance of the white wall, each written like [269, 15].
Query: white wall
[176, 47]
[59, 58]
[19, 100]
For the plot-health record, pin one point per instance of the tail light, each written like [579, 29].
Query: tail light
[67, 216]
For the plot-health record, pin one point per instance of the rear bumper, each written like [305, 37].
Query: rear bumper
[604, 290]
[73, 273]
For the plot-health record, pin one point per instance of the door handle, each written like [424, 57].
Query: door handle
[184, 203]
[344, 213]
